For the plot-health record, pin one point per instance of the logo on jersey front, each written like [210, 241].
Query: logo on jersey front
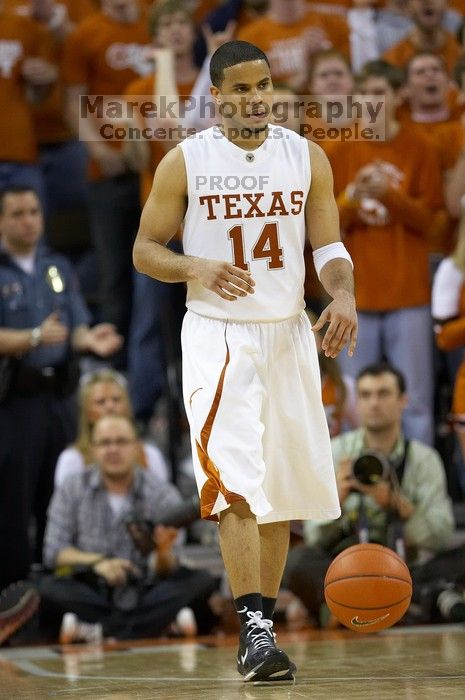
[246, 205]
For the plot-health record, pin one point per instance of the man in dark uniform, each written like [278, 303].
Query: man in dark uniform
[43, 325]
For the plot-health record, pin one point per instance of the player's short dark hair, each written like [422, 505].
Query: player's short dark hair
[14, 189]
[230, 54]
[379, 368]
[381, 69]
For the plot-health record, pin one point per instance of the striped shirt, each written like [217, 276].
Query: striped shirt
[80, 515]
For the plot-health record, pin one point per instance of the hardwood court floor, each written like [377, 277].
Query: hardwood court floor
[405, 663]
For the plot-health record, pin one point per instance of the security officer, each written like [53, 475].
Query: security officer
[43, 325]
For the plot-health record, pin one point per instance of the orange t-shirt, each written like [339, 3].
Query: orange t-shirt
[448, 138]
[141, 87]
[284, 44]
[403, 51]
[105, 56]
[388, 240]
[20, 38]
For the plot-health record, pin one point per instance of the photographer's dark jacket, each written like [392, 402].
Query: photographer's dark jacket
[423, 483]
[80, 515]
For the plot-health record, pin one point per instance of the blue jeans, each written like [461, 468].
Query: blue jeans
[405, 339]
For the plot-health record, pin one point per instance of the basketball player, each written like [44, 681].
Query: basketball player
[247, 191]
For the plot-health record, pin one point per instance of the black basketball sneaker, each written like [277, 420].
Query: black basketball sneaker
[258, 658]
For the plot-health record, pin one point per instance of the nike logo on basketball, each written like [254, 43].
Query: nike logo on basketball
[365, 623]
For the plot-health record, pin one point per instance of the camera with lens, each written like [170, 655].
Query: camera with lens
[141, 530]
[371, 467]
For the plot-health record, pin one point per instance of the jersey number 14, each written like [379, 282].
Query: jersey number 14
[267, 247]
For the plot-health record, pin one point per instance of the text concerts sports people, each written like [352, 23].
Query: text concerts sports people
[247, 192]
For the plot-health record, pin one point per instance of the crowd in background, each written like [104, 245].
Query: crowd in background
[400, 196]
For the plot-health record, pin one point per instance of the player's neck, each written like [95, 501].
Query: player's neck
[247, 139]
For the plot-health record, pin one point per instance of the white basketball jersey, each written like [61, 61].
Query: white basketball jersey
[248, 208]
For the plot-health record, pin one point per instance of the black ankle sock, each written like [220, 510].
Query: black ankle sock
[268, 607]
[248, 603]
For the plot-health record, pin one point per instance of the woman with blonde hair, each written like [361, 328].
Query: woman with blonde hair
[103, 393]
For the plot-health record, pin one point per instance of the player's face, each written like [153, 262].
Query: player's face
[427, 82]
[175, 31]
[21, 222]
[106, 399]
[246, 96]
[332, 77]
[380, 404]
[114, 445]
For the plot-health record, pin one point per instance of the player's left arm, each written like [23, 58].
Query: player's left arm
[332, 261]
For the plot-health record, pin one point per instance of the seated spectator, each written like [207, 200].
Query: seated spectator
[104, 393]
[387, 198]
[102, 573]
[427, 35]
[43, 329]
[408, 508]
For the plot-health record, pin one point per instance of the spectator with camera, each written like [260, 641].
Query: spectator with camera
[102, 573]
[395, 495]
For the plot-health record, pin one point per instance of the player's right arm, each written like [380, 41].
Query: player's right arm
[161, 218]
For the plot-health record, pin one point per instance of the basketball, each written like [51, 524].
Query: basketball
[368, 587]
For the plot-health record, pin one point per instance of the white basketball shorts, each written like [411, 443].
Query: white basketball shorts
[252, 393]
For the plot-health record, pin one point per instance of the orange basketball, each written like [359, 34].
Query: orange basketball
[368, 587]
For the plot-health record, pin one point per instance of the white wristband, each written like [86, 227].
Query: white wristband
[330, 252]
